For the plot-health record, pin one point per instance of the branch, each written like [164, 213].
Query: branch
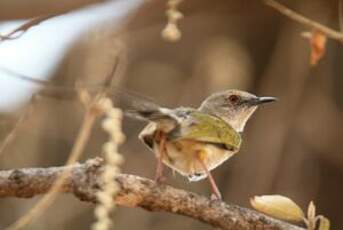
[18, 32]
[333, 34]
[135, 192]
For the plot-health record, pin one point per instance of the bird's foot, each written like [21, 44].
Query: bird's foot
[215, 197]
[160, 179]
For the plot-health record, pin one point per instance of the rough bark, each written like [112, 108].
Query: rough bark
[135, 192]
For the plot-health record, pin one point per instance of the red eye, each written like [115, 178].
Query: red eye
[234, 99]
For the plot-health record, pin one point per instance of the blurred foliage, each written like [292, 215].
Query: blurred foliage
[291, 148]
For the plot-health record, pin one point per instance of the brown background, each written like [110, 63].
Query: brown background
[291, 148]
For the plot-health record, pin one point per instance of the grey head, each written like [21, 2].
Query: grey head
[233, 106]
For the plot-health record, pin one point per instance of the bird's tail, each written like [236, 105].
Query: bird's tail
[140, 107]
[132, 104]
[147, 115]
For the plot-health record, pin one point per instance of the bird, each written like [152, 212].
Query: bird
[194, 141]
[190, 141]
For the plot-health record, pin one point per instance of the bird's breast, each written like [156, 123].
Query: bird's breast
[183, 156]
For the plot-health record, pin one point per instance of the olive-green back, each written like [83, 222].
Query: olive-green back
[207, 128]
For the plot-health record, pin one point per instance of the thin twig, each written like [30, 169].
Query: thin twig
[333, 34]
[112, 124]
[340, 15]
[84, 180]
[25, 27]
[75, 154]
[92, 112]
[12, 134]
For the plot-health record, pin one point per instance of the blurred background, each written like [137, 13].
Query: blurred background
[290, 148]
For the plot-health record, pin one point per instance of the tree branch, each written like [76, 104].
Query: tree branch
[333, 34]
[135, 192]
[18, 32]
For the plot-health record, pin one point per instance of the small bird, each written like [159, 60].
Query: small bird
[194, 141]
[190, 141]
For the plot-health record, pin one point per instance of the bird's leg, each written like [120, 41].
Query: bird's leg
[162, 150]
[201, 158]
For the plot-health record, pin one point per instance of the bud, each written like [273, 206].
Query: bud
[278, 206]
[171, 33]
[311, 211]
[324, 223]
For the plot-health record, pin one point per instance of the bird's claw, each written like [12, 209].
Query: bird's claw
[160, 179]
[215, 197]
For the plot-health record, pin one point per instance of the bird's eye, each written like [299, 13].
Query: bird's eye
[233, 99]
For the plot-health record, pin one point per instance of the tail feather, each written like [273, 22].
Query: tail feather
[133, 104]
[141, 107]
[150, 115]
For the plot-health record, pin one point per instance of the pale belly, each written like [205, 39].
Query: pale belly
[182, 156]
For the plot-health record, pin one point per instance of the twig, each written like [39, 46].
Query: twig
[112, 124]
[75, 154]
[92, 112]
[12, 134]
[333, 34]
[83, 182]
[25, 27]
[340, 15]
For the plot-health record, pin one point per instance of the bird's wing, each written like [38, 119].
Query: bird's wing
[206, 128]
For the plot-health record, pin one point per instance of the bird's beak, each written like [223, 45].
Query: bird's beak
[262, 100]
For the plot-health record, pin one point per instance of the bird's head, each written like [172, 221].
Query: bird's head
[233, 106]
